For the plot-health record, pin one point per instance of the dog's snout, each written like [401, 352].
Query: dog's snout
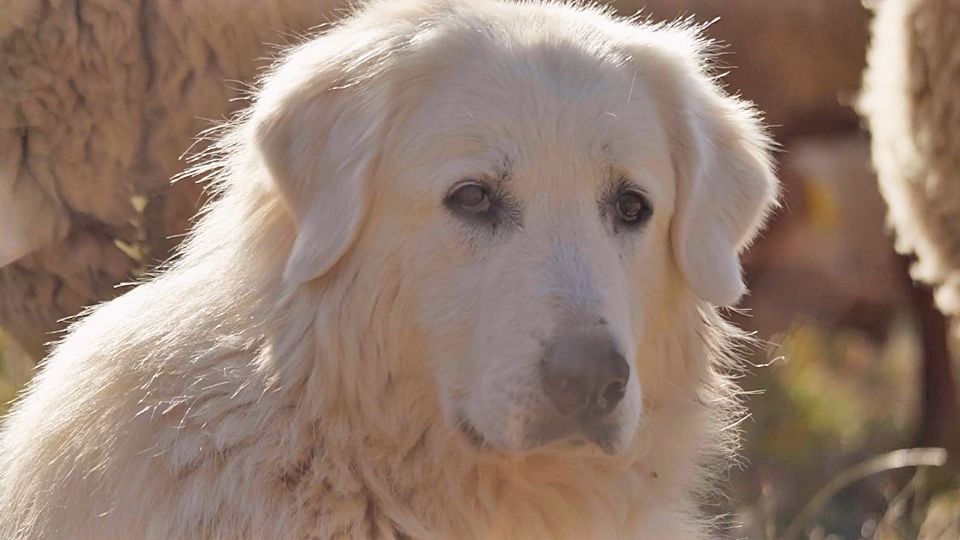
[584, 374]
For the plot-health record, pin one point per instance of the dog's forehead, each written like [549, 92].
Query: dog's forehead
[548, 104]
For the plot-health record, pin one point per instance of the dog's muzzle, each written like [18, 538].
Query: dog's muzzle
[584, 375]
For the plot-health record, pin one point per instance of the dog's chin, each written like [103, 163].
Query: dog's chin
[599, 443]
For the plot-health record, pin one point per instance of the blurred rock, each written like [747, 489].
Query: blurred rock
[799, 60]
[827, 256]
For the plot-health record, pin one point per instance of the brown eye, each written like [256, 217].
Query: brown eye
[633, 208]
[470, 198]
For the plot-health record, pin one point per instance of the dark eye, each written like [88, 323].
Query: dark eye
[633, 208]
[470, 198]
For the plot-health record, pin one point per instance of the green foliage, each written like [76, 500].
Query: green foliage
[839, 399]
[837, 392]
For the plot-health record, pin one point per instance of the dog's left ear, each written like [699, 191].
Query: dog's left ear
[726, 184]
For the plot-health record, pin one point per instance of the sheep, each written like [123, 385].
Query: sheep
[911, 103]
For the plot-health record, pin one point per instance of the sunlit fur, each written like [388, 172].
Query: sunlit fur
[301, 369]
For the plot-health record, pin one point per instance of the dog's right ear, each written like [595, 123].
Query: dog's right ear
[317, 125]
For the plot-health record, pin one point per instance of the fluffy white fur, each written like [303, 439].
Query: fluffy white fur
[303, 368]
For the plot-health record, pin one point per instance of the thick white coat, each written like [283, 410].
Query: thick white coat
[302, 369]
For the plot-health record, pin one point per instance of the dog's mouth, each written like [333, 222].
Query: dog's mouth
[471, 434]
[599, 441]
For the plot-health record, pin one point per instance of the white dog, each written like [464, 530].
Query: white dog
[459, 282]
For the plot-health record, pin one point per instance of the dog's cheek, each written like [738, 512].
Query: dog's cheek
[447, 318]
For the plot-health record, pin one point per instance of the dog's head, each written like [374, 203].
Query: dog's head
[548, 178]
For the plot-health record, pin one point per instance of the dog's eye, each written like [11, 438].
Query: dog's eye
[633, 208]
[470, 198]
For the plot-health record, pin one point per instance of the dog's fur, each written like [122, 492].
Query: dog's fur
[305, 367]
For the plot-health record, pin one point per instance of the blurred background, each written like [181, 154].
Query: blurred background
[853, 359]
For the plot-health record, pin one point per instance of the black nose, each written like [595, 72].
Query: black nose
[584, 373]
